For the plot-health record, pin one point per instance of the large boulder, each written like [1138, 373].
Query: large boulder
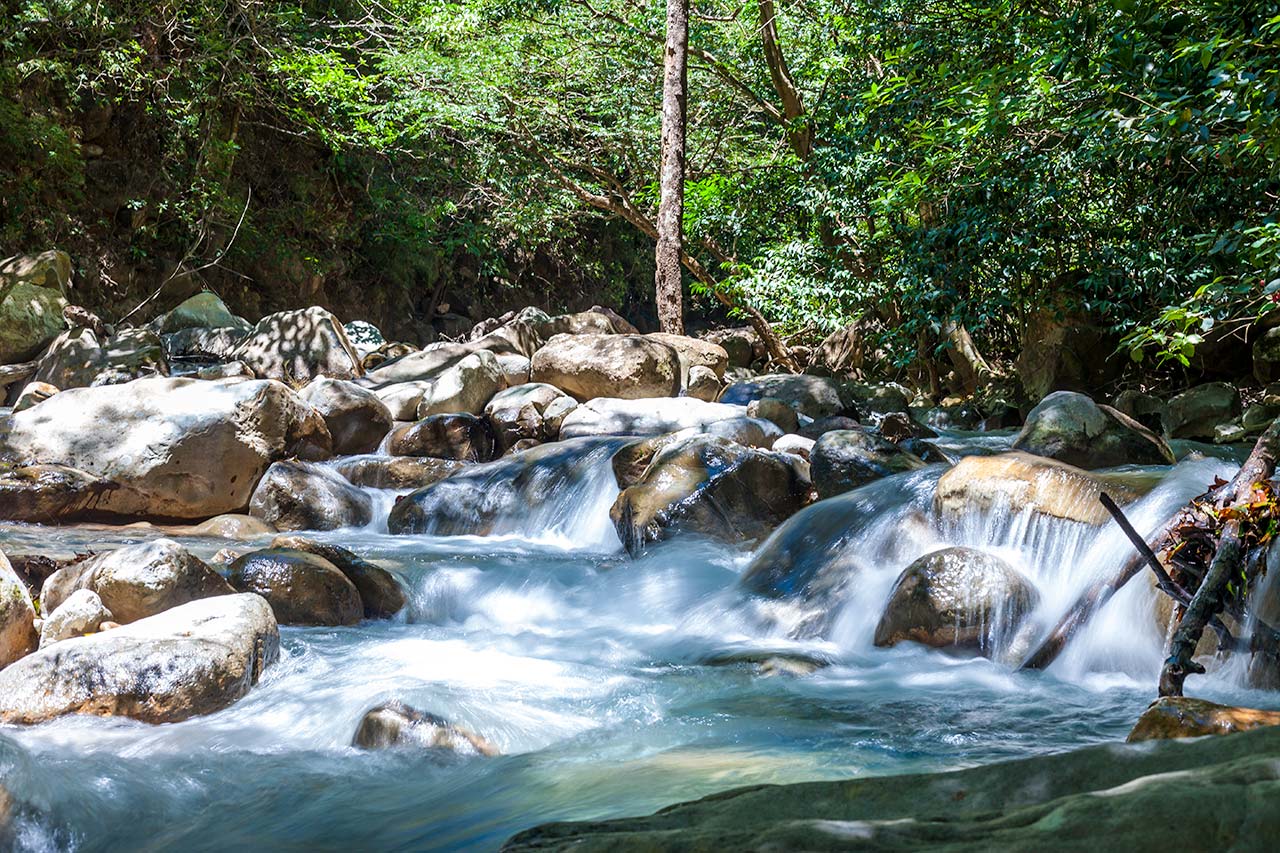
[446, 379]
[533, 411]
[1065, 351]
[356, 418]
[380, 593]
[462, 437]
[302, 588]
[205, 310]
[18, 635]
[1147, 409]
[1018, 482]
[396, 472]
[194, 659]
[200, 344]
[396, 725]
[1266, 356]
[78, 359]
[1199, 411]
[693, 352]
[304, 496]
[813, 396]
[30, 319]
[46, 493]
[136, 581]
[622, 366]
[1072, 428]
[843, 460]
[50, 269]
[609, 416]
[364, 337]
[484, 499]
[172, 448]
[742, 345]
[81, 613]
[957, 598]
[1173, 717]
[298, 346]
[711, 486]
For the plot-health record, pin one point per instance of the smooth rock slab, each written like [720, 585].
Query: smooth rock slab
[195, 659]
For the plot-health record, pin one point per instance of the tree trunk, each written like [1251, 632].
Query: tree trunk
[971, 368]
[798, 128]
[675, 96]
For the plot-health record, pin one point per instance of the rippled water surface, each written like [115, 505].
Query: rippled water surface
[588, 670]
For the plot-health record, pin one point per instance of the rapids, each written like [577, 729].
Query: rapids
[588, 670]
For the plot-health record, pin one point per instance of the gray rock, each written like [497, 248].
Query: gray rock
[617, 366]
[957, 598]
[1147, 409]
[356, 418]
[81, 613]
[202, 311]
[77, 359]
[305, 496]
[462, 437]
[194, 659]
[703, 384]
[396, 472]
[771, 409]
[609, 416]
[1072, 428]
[742, 345]
[396, 725]
[299, 346]
[812, 396]
[30, 320]
[1197, 412]
[843, 460]
[230, 370]
[364, 336]
[33, 394]
[1266, 356]
[302, 588]
[198, 343]
[18, 634]
[521, 413]
[693, 352]
[1258, 417]
[380, 593]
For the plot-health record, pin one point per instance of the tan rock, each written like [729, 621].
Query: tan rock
[1182, 717]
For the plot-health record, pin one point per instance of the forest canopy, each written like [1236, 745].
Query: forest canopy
[914, 164]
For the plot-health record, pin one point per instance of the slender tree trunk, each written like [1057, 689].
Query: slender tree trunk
[675, 97]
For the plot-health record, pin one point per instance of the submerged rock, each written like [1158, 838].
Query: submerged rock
[1072, 428]
[1172, 717]
[299, 346]
[229, 526]
[136, 581]
[461, 437]
[380, 593]
[18, 634]
[957, 597]
[302, 588]
[1014, 482]
[305, 496]
[712, 486]
[843, 460]
[172, 448]
[356, 418]
[81, 613]
[396, 725]
[396, 472]
[194, 659]
[618, 366]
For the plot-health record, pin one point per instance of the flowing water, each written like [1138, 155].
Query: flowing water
[589, 671]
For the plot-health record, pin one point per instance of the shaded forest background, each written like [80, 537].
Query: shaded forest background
[911, 165]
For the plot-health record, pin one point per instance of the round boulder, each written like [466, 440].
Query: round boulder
[1072, 428]
[356, 418]
[462, 437]
[302, 588]
[1019, 482]
[622, 366]
[843, 460]
[305, 496]
[380, 594]
[957, 598]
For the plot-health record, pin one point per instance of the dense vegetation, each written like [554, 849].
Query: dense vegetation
[911, 163]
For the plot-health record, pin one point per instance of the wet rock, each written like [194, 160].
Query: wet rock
[1014, 482]
[202, 311]
[772, 409]
[955, 416]
[1172, 717]
[18, 634]
[1229, 434]
[820, 427]
[356, 418]
[711, 486]
[608, 416]
[397, 472]
[843, 460]
[30, 319]
[812, 396]
[81, 613]
[1147, 409]
[956, 598]
[703, 384]
[305, 496]
[302, 588]
[45, 493]
[796, 445]
[772, 662]
[396, 725]
[205, 344]
[1074, 429]
[521, 412]
[79, 359]
[172, 448]
[879, 398]
[616, 366]
[899, 427]
[380, 593]
[229, 526]
[693, 352]
[194, 659]
[481, 498]
[1197, 412]
[136, 581]
[299, 346]
[463, 437]
[742, 345]
[33, 394]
